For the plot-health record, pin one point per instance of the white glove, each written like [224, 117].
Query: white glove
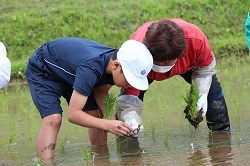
[202, 76]
[202, 103]
[129, 109]
[132, 119]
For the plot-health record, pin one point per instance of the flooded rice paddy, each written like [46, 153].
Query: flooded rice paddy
[167, 139]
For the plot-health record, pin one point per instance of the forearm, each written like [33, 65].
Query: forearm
[202, 76]
[83, 119]
[101, 94]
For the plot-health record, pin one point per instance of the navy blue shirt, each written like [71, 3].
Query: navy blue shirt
[78, 62]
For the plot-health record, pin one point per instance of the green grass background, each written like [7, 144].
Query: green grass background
[26, 24]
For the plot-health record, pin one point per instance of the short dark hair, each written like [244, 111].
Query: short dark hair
[165, 40]
[114, 57]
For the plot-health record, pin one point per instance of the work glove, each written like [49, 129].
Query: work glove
[202, 103]
[202, 76]
[129, 109]
[131, 117]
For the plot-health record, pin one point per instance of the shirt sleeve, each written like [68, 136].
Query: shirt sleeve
[86, 77]
[204, 55]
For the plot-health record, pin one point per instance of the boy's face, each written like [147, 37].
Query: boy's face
[118, 76]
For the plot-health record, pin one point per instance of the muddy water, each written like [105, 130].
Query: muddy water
[168, 139]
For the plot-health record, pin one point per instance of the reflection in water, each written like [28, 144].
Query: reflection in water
[219, 150]
[129, 150]
[103, 153]
[219, 147]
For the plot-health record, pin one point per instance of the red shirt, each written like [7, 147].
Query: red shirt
[197, 52]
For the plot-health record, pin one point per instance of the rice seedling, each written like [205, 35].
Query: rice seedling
[1, 143]
[20, 159]
[239, 137]
[40, 161]
[62, 145]
[211, 136]
[237, 103]
[30, 134]
[152, 127]
[121, 143]
[109, 106]
[11, 138]
[166, 140]
[88, 154]
[193, 116]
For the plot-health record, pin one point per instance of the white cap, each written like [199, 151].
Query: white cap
[136, 62]
[5, 66]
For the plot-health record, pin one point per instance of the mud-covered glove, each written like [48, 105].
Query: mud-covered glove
[129, 109]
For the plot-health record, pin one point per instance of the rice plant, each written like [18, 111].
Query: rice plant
[12, 138]
[166, 140]
[62, 145]
[193, 116]
[88, 154]
[109, 106]
[152, 127]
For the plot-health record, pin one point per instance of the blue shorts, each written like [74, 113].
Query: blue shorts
[46, 90]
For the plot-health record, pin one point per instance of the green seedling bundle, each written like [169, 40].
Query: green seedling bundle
[191, 113]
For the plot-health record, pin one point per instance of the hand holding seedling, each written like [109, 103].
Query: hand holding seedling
[195, 104]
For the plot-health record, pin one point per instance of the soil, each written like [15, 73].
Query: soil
[194, 122]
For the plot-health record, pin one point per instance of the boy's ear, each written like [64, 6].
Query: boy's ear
[116, 64]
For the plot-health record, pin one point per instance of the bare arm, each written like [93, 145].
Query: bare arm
[77, 116]
[101, 94]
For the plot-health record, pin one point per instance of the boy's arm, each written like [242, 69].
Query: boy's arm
[101, 94]
[79, 117]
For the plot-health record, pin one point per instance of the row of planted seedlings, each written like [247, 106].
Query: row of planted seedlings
[17, 122]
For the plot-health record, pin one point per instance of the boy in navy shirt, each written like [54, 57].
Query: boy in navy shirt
[82, 71]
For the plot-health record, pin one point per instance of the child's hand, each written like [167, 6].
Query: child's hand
[118, 127]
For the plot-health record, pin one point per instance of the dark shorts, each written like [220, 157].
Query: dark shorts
[46, 90]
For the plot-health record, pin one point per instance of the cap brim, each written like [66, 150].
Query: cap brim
[140, 83]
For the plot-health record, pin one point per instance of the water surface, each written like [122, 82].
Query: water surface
[168, 139]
